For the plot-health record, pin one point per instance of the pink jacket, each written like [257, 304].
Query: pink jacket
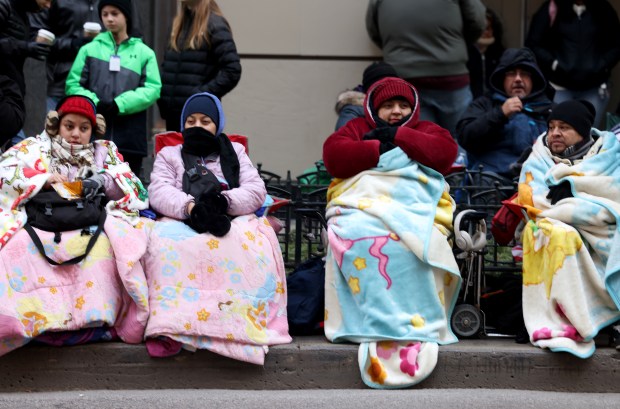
[166, 194]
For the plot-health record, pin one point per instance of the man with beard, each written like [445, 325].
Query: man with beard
[498, 127]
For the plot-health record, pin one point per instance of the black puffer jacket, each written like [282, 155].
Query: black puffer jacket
[12, 110]
[15, 33]
[586, 47]
[215, 69]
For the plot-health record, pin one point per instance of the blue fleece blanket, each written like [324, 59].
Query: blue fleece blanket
[390, 271]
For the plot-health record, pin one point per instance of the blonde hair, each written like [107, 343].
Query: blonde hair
[198, 32]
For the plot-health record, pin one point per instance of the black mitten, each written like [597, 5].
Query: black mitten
[202, 219]
[385, 147]
[383, 134]
[559, 192]
[215, 201]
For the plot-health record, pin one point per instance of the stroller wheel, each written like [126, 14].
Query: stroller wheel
[466, 320]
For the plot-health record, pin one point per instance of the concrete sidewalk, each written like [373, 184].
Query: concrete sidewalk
[307, 363]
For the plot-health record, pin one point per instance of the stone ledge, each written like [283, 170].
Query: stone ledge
[307, 363]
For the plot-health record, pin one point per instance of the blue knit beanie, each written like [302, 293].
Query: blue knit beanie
[206, 104]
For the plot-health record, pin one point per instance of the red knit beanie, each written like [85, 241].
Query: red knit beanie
[78, 104]
[392, 87]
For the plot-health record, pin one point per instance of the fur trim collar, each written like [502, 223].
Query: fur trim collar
[349, 97]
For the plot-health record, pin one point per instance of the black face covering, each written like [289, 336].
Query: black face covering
[200, 142]
[381, 123]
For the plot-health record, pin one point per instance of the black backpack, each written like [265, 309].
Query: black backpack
[306, 297]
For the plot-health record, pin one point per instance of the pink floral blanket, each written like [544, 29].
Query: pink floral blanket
[225, 294]
[106, 288]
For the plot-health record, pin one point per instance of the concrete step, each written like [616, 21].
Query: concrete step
[307, 363]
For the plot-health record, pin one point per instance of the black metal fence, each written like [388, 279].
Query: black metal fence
[302, 219]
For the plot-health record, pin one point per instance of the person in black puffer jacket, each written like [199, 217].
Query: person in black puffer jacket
[197, 60]
[16, 40]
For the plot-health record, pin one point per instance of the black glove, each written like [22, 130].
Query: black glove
[214, 201]
[559, 192]
[385, 147]
[383, 134]
[202, 219]
[109, 110]
[92, 185]
[38, 51]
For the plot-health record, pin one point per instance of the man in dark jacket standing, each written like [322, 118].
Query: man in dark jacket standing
[576, 43]
[16, 37]
[17, 40]
[12, 111]
[496, 128]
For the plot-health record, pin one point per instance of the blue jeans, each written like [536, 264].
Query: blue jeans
[18, 138]
[444, 107]
[52, 102]
[591, 95]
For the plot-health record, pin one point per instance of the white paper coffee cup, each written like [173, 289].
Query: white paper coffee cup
[44, 36]
[91, 29]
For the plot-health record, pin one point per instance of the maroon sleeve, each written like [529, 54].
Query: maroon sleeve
[345, 153]
[428, 144]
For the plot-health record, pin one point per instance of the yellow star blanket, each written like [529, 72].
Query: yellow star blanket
[571, 285]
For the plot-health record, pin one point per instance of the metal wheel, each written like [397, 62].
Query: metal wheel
[466, 320]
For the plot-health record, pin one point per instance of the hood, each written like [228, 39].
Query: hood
[518, 57]
[371, 114]
[220, 110]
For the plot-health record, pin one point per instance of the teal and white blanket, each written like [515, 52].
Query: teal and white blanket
[571, 250]
[391, 277]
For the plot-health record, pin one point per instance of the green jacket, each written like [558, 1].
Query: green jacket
[425, 38]
[134, 88]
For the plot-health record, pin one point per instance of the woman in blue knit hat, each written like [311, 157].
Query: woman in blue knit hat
[215, 270]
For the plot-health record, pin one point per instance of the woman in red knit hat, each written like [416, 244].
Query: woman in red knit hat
[65, 152]
[392, 119]
[391, 279]
[76, 281]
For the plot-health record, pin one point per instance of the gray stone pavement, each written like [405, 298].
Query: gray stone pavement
[307, 363]
[311, 398]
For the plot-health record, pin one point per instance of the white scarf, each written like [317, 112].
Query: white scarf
[65, 155]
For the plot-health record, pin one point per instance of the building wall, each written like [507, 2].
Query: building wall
[297, 56]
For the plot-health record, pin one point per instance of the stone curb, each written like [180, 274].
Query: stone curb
[307, 363]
